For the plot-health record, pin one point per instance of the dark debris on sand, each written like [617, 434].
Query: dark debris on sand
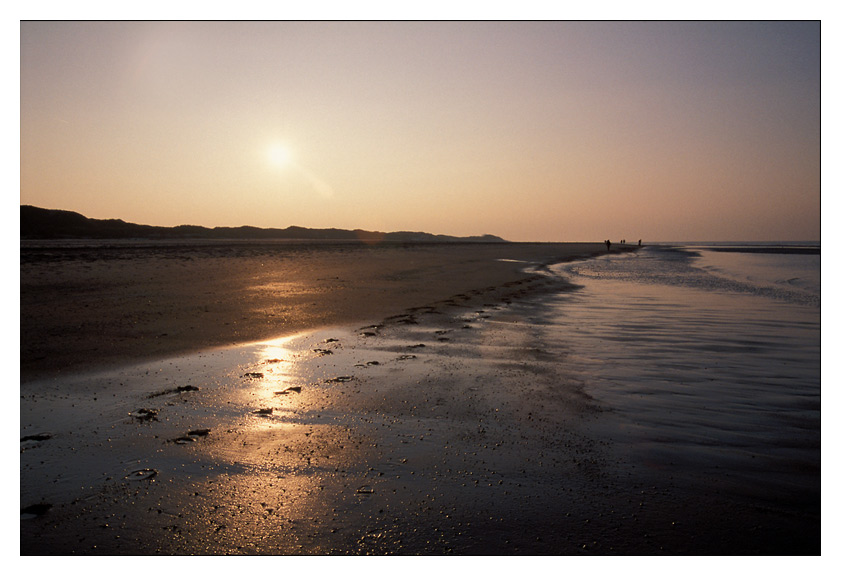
[178, 390]
[35, 510]
[146, 414]
[36, 438]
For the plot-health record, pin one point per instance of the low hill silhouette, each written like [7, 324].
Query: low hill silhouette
[42, 224]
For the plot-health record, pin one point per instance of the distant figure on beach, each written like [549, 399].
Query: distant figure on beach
[607, 243]
[640, 242]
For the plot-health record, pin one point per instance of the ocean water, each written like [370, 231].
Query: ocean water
[706, 363]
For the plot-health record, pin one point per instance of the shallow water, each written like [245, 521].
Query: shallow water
[708, 363]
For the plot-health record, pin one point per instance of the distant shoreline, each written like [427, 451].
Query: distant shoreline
[46, 224]
[768, 249]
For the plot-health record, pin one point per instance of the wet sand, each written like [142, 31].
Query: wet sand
[90, 305]
[325, 443]
[442, 427]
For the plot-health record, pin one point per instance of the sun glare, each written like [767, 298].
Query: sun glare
[280, 155]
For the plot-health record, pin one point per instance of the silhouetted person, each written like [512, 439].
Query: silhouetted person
[607, 243]
[640, 242]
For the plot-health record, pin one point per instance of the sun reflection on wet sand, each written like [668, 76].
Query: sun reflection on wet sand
[297, 461]
[241, 451]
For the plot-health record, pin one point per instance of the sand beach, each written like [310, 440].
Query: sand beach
[94, 319]
[331, 400]
[95, 304]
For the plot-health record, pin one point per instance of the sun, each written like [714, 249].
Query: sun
[279, 155]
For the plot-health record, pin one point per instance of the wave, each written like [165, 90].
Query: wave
[793, 278]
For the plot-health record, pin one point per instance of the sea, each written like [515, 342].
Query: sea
[706, 359]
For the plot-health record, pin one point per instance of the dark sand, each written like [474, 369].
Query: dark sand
[420, 416]
[85, 307]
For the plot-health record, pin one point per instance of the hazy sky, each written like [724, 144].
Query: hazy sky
[550, 131]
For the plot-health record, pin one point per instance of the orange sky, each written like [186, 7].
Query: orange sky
[549, 131]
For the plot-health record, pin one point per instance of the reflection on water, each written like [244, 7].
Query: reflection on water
[275, 372]
[267, 463]
[794, 277]
[301, 462]
[707, 381]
